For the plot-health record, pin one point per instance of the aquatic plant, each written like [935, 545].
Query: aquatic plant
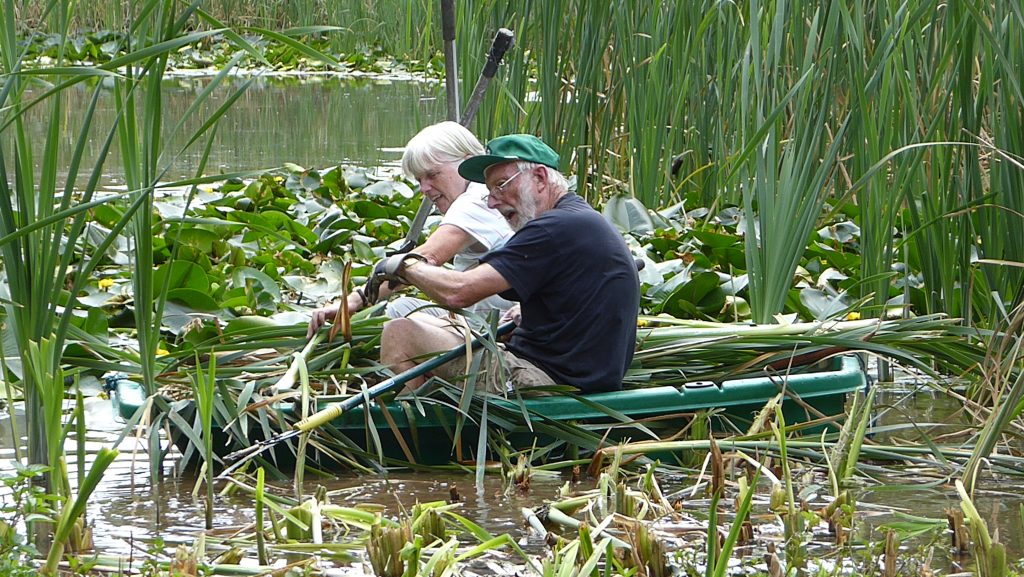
[44, 233]
[990, 554]
[42, 228]
[25, 500]
[203, 390]
[889, 128]
[1003, 384]
[592, 103]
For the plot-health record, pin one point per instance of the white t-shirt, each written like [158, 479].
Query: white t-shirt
[488, 228]
[470, 213]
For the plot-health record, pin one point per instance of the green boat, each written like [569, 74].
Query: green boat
[428, 429]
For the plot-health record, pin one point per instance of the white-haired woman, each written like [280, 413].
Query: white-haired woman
[468, 228]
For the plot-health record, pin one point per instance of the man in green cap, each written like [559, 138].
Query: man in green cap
[569, 269]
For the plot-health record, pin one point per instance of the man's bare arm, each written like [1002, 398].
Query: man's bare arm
[454, 289]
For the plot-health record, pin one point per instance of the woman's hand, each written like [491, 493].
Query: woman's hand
[320, 318]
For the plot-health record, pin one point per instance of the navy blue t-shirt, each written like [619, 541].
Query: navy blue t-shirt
[580, 294]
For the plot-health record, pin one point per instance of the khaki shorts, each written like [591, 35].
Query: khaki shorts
[497, 374]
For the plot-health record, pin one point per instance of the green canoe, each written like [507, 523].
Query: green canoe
[423, 429]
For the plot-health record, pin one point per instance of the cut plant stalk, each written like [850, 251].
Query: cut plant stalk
[261, 544]
[203, 389]
[342, 319]
[990, 554]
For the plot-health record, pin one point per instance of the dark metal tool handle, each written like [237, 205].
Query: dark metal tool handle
[451, 78]
[502, 42]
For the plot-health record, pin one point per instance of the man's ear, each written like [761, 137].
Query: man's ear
[540, 175]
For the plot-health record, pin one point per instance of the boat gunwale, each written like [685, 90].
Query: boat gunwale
[847, 377]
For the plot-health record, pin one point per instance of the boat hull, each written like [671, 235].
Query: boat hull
[429, 431]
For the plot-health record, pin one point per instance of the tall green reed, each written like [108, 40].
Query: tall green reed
[708, 129]
[967, 69]
[652, 88]
[42, 222]
[877, 38]
[369, 26]
[655, 45]
[145, 160]
[790, 141]
[41, 226]
[1001, 107]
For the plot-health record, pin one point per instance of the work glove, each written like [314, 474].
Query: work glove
[388, 270]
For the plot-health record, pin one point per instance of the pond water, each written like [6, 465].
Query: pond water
[365, 123]
[316, 123]
[127, 513]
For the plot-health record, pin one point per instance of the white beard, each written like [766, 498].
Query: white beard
[527, 211]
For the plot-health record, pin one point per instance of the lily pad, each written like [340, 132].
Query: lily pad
[356, 178]
[196, 299]
[244, 324]
[716, 240]
[734, 285]
[629, 215]
[93, 296]
[701, 296]
[263, 289]
[388, 188]
[369, 209]
[183, 274]
[824, 305]
[198, 238]
[843, 232]
[177, 316]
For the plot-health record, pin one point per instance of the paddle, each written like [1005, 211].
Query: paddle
[335, 410]
[501, 43]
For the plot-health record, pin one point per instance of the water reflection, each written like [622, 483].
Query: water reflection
[315, 123]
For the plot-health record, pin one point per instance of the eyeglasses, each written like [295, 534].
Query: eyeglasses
[500, 189]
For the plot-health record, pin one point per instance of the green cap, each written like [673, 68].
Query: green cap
[508, 149]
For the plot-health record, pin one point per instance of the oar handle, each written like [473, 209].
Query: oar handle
[320, 418]
[451, 78]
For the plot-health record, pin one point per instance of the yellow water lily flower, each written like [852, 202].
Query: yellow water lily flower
[162, 352]
[854, 316]
[106, 283]
[642, 322]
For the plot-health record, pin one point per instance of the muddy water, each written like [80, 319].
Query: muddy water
[127, 513]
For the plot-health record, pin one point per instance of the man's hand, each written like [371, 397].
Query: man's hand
[513, 314]
[320, 317]
[389, 270]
